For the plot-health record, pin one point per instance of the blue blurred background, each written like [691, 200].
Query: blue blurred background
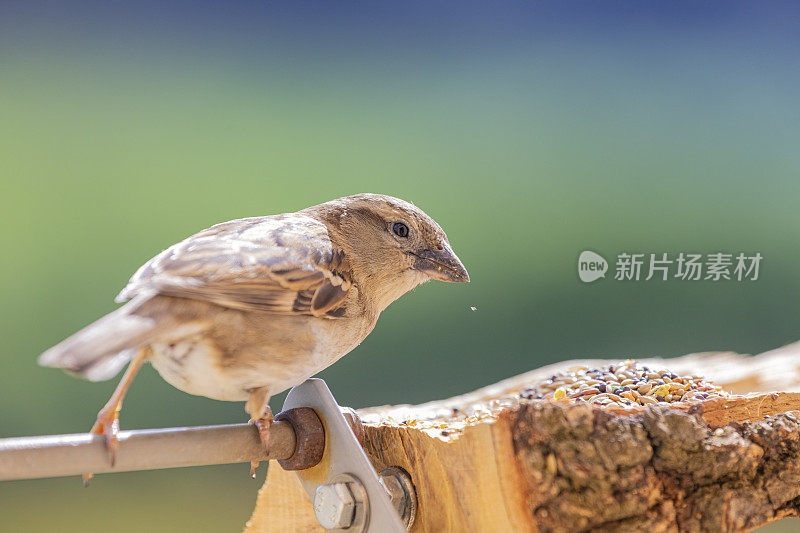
[530, 131]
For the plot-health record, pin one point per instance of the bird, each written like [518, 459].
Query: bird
[248, 308]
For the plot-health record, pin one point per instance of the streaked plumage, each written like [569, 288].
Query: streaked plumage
[248, 308]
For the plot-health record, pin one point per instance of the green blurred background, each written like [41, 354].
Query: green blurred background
[531, 132]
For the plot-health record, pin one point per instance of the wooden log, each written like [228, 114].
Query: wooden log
[724, 464]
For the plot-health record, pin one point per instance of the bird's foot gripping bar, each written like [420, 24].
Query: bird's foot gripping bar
[348, 494]
[312, 436]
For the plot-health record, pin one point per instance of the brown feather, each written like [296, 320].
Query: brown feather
[253, 264]
[327, 298]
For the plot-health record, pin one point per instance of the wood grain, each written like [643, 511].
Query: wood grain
[725, 464]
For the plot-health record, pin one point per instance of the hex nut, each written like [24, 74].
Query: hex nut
[334, 506]
[398, 485]
[309, 437]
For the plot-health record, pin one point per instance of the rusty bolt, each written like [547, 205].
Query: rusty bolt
[309, 436]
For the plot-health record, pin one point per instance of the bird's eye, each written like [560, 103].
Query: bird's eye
[400, 229]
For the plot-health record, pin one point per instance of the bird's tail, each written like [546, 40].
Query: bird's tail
[100, 350]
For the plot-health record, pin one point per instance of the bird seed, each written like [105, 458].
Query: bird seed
[625, 384]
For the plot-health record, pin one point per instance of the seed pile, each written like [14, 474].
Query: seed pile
[627, 384]
[623, 384]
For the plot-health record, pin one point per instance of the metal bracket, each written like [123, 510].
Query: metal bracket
[344, 468]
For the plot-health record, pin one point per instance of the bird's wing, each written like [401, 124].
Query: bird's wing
[283, 264]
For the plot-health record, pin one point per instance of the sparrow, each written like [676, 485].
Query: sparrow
[248, 308]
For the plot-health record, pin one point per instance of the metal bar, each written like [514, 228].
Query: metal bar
[144, 449]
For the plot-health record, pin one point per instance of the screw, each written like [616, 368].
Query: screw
[334, 506]
[342, 504]
[401, 491]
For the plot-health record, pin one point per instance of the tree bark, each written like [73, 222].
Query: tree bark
[725, 464]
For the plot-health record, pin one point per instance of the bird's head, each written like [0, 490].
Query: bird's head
[391, 244]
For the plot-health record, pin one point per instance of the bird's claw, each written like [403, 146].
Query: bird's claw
[107, 424]
[262, 425]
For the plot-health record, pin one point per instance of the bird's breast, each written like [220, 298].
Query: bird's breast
[227, 363]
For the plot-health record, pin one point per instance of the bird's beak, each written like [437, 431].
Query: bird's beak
[443, 265]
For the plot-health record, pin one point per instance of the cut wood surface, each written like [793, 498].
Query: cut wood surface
[485, 461]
